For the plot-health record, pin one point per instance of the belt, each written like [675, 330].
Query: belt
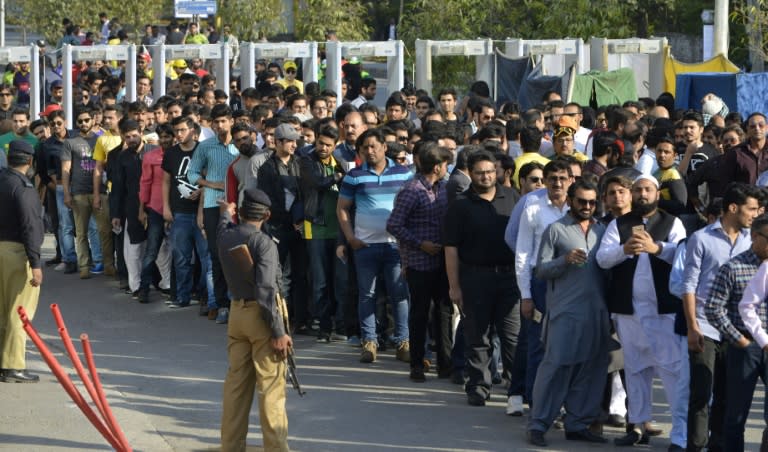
[747, 335]
[490, 268]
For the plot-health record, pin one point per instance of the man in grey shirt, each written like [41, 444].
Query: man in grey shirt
[77, 165]
[576, 328]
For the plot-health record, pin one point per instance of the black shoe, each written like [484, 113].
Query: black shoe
[417, 376]
[71, 268]
[51, 262]
[536, 438]
[177, 305]
[476, 399]
[584, 435]
[17, 376]
[303, 329]
[630, 439]
[457, 377]
[323, 338]
[652, 430]
[496, 379]
[614, 420]
[166, 293]
[143, 296]
[123, 285]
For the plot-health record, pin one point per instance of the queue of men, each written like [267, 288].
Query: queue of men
[543, 249]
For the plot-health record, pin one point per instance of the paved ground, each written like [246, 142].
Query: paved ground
[163, 371]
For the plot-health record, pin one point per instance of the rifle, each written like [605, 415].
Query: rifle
[290, 372]
[244, 262]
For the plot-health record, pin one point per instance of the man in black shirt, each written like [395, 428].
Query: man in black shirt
[180, 201]
[481, 275]
[21, 236]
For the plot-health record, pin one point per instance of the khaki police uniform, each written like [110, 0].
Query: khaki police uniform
[21, 237]
[254, 320]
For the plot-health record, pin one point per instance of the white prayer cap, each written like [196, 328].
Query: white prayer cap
[646, 177]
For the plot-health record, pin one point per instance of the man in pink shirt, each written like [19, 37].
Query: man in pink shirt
[151, 214]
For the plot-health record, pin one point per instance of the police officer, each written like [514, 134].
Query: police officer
[258, 341]
[21, 236]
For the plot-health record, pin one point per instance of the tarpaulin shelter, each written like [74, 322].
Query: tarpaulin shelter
[605, 87]
[673, 68]
[740, 92]
[520, 80]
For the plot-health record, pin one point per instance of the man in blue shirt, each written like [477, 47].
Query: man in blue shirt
[707, 250]
[369, 191]
[214, 156]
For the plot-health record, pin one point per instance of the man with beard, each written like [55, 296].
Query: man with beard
[243, 171]
[573, 370]
[638, 248]
[19, 130]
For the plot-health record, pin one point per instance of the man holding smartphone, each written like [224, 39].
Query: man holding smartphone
[638, 248]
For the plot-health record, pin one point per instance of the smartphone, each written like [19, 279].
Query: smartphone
[537, 316]
[637, 229]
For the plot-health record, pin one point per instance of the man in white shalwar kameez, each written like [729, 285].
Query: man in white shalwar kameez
[639, 248]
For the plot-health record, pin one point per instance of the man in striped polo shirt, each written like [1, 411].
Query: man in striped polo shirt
[366, 199]
[214, 156]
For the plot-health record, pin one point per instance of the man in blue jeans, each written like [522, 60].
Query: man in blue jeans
[180, 204]
[370, 192]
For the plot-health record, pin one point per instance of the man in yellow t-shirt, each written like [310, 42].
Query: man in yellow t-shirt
[530, 142]
[105, 143]
[290, 68]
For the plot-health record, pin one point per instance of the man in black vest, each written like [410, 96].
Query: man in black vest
[638, 248]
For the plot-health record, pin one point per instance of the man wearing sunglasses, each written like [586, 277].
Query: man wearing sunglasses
[573, 371]
[290, 69]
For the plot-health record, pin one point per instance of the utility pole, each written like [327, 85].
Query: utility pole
[755, 37]
[720, 45]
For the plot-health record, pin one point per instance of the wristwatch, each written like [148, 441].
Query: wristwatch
[661, 248]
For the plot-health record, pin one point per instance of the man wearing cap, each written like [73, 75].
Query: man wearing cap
[290, 69]
[638, 248]
[563, 138]
[178, 67]
[257, 342]
[21, 237]
[279, 178]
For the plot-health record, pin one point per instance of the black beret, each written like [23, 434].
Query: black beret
[254, 195]
[20, 147]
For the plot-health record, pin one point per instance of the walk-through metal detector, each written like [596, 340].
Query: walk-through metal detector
[481, 49]
[556, 55]
[393, 50]
[106, 53]
[163, 53]
[26, 54]
[644, 56]
[250, 52]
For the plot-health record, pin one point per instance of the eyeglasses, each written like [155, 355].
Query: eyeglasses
[6, 94]
[57, 123]
[586, 202]
[400, 159]
[402, 139]
[84, 121]
[554, 179]
[535, 180]
[290, 71]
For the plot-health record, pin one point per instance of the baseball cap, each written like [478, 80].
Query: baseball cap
[289, 65]
[50, 109]
[286, 132]
[181, 64]
[566, 125]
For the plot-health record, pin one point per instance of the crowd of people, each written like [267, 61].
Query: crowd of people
[570, 252]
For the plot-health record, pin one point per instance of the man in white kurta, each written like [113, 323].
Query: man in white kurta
[648, 339]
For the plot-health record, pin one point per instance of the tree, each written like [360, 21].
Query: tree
[252, 19]
[45, 16]
[346, 17]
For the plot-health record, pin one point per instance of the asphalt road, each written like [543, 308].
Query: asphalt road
[163, 371]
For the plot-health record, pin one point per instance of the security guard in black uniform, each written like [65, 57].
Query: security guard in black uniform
[257, 338]
[21, 236]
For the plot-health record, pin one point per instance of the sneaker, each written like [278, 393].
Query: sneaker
[323, 338]
[176, 305]
[457, 377]
[369, 352]
[110, 270]
[222, 316]
[403, 352]
[134, 294]
[51, 262]
[70, 268]
[213, 313]
[354, 341]
[515, 405]
[169, 301]
[97, 269]
[85, 274]
[336, 337]
[60, 267]
[143, 296]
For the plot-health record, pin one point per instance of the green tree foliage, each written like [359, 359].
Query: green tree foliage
[45, 16]
[347, 17]
[252, 19]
